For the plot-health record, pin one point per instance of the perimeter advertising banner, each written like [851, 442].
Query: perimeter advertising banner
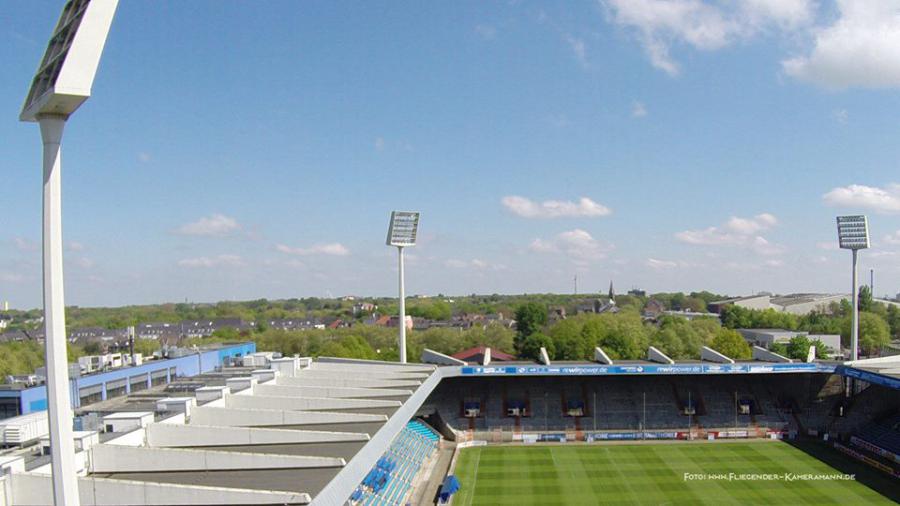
[602, 370]
[631, 436]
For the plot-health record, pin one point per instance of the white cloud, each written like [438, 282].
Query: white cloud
[475, 264]
[76, 246]
[333, 249]
[578, 48]
[763, 247]
[144, 157]
[479, 264]
[487, 32]
[217, 261]
[753, 225]
[657, 264]
[23, 244]
[841, 116]
[638, 110]
[527, 208]
[576, 244]
[828, 245]
[882, 200]
[661, 24]
[216, 225]
[295, 264]
[861, 48]
[9, 277]
[542, 246]
[736, 231]
[84, 263]
[379, 144]
[740, 232]
[786, 14]
[892, 238]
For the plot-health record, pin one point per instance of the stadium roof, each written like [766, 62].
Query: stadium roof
[883, 371]
[306, 433]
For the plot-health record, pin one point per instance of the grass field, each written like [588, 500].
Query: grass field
[649, 474]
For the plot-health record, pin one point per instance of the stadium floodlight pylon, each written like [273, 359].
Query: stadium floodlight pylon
[61, 84]
[402, 233]
[853, 234]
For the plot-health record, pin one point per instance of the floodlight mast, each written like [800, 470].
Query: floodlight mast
[402, 233]
[62, 83]
[853, 234]
[402, 308]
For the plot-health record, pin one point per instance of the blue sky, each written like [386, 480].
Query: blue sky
[236, 150]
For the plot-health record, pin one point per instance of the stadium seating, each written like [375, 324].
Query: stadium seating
[390, 481]
[884, 434]
[622, 403]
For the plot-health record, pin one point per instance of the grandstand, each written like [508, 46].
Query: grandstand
[391, 479]
[613, 403]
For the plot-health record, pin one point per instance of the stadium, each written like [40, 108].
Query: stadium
[233, 425]
[263, 429]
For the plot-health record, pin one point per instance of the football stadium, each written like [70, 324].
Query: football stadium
[227, 424]
[256, 428]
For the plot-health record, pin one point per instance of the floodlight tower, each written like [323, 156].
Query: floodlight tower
[62, 83]
[853, 234]
[402, 233]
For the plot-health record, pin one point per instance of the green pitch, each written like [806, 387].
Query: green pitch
[650, 474]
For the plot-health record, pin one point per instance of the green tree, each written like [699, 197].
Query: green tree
[798, 348]
[145, 347]
[893, 319]
[736, 317]
[874, 333]
[494, 336]
[569, 341]
[731, 344]
[622, 336]
[530, 318]
[92, 348]
[694, 304]
[866, 301]
[441, 340]
[531, 346]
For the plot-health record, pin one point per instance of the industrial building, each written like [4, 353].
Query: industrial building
[19, 399]
[798, 303]
[767, 337]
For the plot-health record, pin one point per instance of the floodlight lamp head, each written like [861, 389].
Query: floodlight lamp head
[853, 232]
[403, 228]
[64, 78]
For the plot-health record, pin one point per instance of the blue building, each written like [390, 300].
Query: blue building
[101, 386]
